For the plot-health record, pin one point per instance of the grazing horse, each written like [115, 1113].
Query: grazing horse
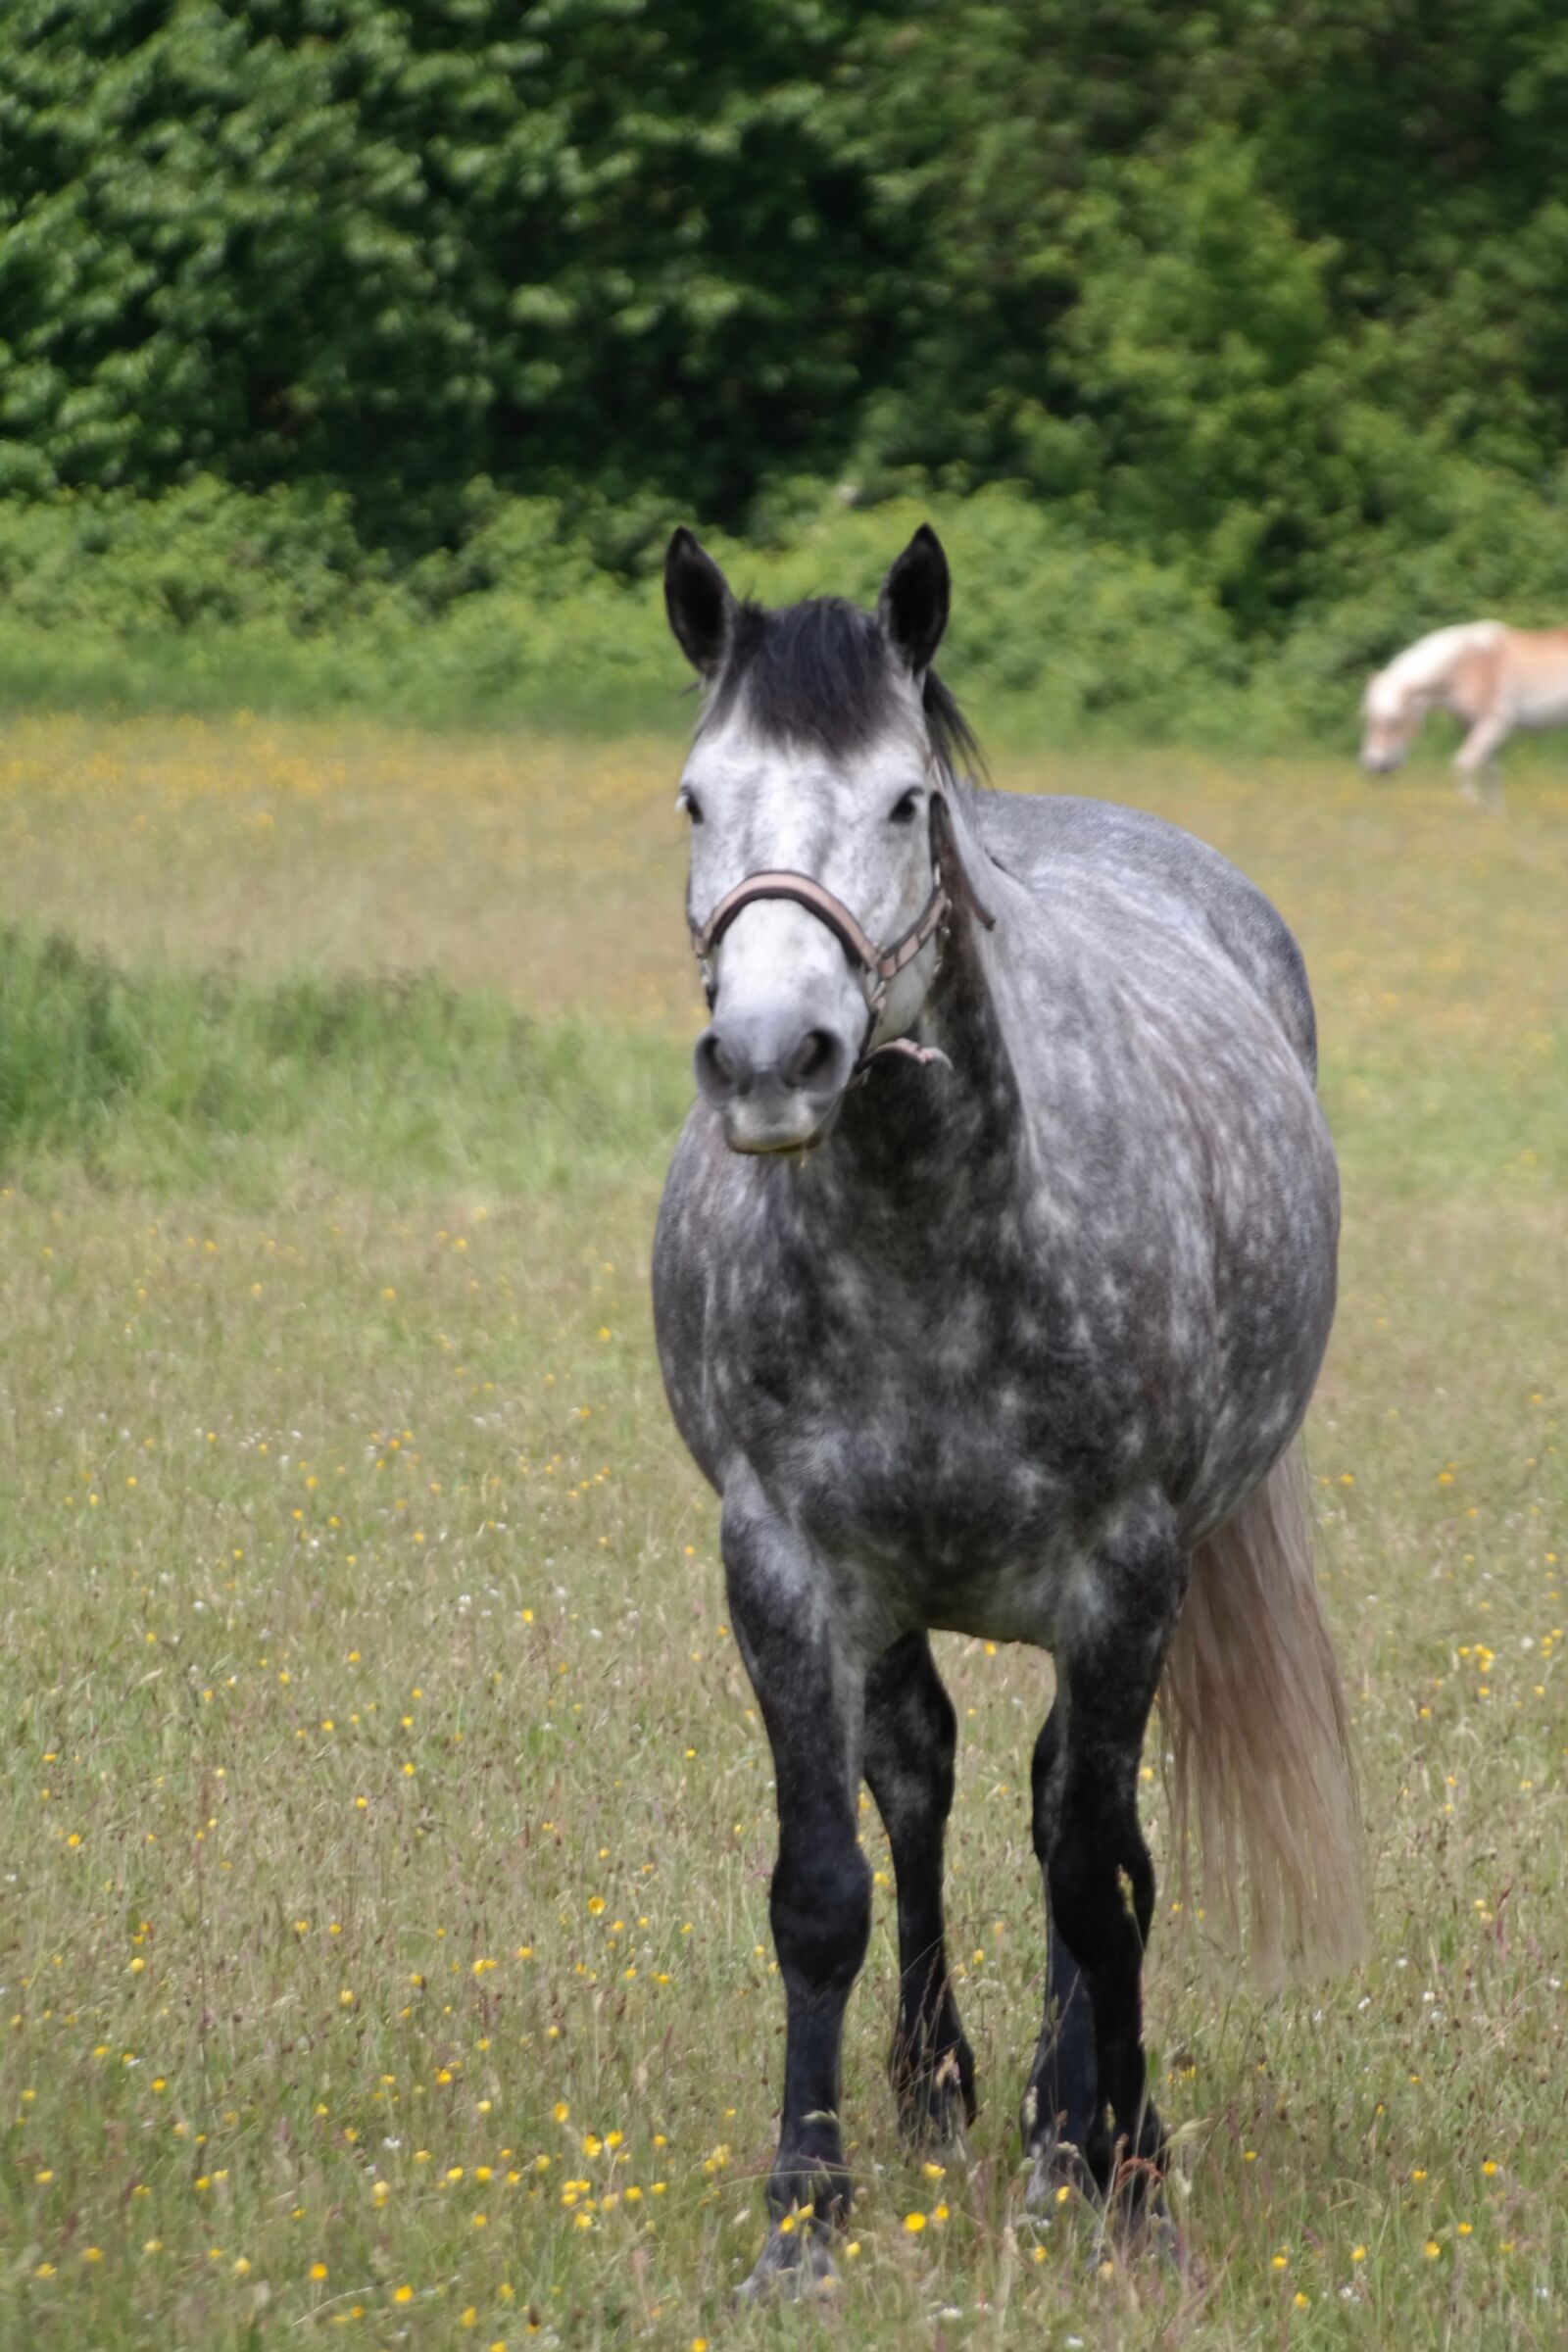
[1492, 678]
[993, 1274]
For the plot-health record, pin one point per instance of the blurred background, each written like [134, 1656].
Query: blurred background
[355, 352]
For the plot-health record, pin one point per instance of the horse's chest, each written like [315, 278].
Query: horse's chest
[949, 1429]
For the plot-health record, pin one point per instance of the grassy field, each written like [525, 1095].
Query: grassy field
[386, 1823]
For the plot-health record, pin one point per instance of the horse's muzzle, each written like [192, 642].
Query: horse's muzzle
[774, 1085]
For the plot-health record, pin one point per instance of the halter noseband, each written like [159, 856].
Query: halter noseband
[881, 966]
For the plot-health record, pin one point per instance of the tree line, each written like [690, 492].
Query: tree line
[1272, 293]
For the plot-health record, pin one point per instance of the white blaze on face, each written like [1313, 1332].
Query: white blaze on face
[777, 958]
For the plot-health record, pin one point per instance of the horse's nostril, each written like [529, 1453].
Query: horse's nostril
[719, 1075]
[737, 1063]
[813, 1063]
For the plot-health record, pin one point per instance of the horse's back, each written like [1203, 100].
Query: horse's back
[1428, 662]
[1536, 676]
[1036, 835]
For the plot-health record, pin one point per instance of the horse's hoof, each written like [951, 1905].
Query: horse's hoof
[1061, 2173]
[1147, 2238]
[934, 2123]
[936, 2104]
[793, 2266]
[1160, 2240]
[1138, 2217]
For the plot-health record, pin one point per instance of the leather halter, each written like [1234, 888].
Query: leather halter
[880, 966]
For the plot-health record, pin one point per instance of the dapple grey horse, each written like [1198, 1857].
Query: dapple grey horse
[994, 1271]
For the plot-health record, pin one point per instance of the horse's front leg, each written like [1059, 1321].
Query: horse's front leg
[810, 1692]
[1475, 762]
[911, 1738]
[1062, 2103]
[1088, 2094]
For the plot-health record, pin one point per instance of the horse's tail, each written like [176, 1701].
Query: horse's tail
[1259, 1734]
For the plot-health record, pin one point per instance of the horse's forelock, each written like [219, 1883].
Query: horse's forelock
[820, 675]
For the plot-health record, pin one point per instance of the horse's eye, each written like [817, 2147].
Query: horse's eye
[692, 806]
[906, 808]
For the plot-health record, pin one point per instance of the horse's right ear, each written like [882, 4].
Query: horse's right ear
[698, 603]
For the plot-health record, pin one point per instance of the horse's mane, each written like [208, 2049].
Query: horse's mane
[1420, 665]
[821, 674]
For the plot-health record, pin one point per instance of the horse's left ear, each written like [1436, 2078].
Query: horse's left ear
[912, 607]
[698, 603]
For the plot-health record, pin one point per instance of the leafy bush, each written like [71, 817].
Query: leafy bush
[208, 598]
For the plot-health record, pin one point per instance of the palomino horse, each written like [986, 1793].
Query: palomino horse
[993, 1270]
[1492, 678]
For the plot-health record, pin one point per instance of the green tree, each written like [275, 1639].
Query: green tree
[405, 246]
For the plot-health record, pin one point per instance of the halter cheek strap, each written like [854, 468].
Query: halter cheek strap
[880, 966]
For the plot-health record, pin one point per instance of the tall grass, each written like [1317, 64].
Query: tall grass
[167, 1078]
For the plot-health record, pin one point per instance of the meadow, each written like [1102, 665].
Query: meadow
[386, 1821]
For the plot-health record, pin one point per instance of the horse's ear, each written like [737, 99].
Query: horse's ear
[912, 607]
[698, 603]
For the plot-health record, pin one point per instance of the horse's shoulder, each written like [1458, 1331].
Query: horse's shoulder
[1044, 839]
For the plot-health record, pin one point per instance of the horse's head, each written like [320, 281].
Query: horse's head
[825, 844]
[1390, 717]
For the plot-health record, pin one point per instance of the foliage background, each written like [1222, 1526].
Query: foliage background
[1244, 325]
